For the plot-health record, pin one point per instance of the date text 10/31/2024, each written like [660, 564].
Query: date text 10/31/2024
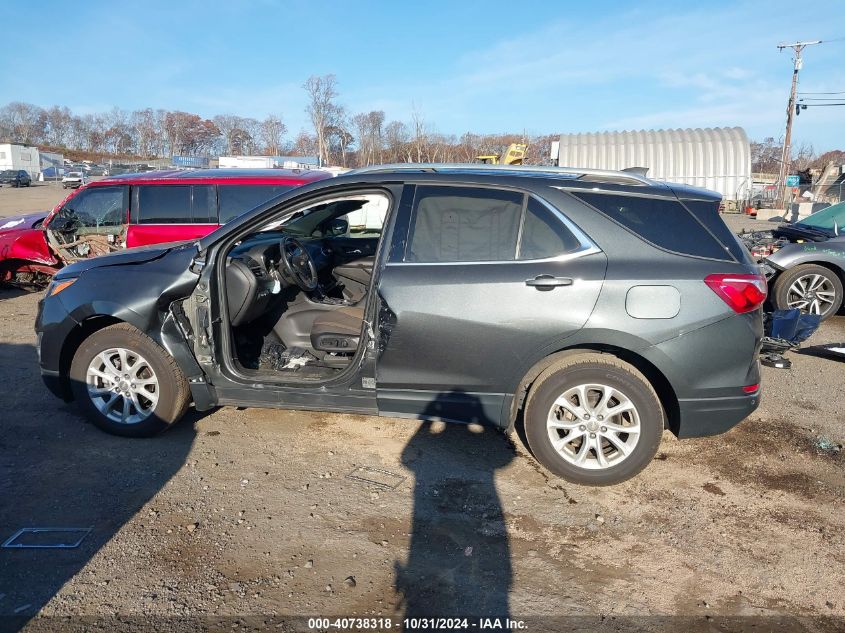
[432, 624]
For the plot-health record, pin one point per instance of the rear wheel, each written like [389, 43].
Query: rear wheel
[126, 384]
[593, 419]
[811, 288]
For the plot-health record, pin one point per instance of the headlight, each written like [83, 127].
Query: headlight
[56, 287]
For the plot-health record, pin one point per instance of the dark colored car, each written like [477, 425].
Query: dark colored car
[135, 210]
[596, 308]
[15, 178]
[804, 262]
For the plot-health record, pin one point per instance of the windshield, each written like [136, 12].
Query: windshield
[829, 219]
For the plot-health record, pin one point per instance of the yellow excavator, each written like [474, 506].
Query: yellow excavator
[514, 155]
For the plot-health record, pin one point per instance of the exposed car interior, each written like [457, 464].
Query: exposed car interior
[91, 223]
[296, 290]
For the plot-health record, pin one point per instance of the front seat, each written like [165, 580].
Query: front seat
[338, 330]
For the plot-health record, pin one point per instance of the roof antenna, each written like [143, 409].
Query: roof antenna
[639, 171]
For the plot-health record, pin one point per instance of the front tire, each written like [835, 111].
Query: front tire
[811, 288]
[126, 384]
[593, 419]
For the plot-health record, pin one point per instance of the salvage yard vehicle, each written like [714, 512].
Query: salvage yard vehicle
[134, 210]
[73, 180]
[595, 307]
[804, 262]
[15, 178]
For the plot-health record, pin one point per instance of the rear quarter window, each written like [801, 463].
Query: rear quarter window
[236, 200]
[662, 222]
[707, 212]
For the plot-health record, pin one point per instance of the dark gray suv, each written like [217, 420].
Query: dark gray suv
[595, 308]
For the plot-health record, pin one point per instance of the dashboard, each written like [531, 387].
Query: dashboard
[255, 273]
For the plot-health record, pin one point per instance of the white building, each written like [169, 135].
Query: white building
[267, 162]
[20, 157]
[712, 158]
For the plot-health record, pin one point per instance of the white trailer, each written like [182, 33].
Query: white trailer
[20, 157]
[246, 162]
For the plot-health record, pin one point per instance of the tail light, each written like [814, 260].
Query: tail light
[743, 293]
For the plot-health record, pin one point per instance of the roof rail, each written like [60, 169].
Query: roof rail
[579, 173]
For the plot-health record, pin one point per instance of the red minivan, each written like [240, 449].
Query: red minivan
[135, 210]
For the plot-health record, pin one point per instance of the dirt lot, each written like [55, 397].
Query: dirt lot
[238, 513]
[41, 196]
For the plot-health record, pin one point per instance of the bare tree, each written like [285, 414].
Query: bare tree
[369, 126]
[23, 122]
[304, 144]
[272, 135]
[420, 138]
[397, 140]
[146, 130]
[321, 94]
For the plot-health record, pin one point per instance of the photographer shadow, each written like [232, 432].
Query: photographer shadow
[459, 557]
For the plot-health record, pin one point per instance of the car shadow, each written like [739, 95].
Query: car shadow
[58, 471]
[12, 292]
[458, 561]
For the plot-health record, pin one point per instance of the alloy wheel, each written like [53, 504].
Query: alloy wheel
[812, 293]
[122, 385]
[593, 426]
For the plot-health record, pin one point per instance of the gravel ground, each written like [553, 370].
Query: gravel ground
[41, 196]
[252, 513]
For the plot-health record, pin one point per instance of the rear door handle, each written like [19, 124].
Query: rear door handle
[548, 282]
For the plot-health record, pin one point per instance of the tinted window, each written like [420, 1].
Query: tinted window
[664, 223]
[176, 204]
[543, 233]
[460, 224]
[238, 199]
[97, 207]
[160, 204]
[707, 212]
[204, 204]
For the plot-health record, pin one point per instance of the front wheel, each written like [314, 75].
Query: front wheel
[126, 384]
[811, 288]
[593, 419]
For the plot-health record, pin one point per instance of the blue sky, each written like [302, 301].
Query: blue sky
[480, 66]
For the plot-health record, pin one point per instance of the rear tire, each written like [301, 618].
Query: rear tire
[126, 384]
[593, 419]
[823, 287]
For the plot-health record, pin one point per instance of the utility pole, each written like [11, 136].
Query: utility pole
[790, 111]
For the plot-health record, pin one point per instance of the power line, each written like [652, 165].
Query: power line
[822, 93]
[820, 99]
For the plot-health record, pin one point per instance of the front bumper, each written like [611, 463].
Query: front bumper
[710, 416]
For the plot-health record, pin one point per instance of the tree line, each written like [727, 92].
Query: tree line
[766, 156]
[337, 136]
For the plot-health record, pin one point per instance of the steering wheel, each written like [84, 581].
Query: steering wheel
[299, 264]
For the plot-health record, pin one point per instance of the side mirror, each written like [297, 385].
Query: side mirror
[337, 227]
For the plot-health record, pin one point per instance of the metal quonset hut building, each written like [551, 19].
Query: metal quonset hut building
[712, 158]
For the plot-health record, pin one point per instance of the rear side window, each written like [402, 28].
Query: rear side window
[464, 224]
[204, 204]
[543, 234]
[664, 223]
[175, 204]
[236, 200]
[707, 212]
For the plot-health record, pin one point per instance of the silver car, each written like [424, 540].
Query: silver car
[804, 262]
